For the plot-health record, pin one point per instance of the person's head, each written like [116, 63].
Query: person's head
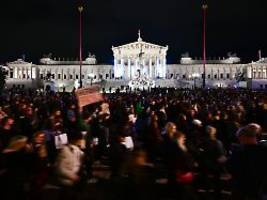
[139, 157]
[170, 129]
[154, 117]
[7, 123]
[57, 113]
[132, 118]
[71, 116]
[182, 118]
[29, 111]
[211, 132]
[77, 139]
[249, 134]
[39, 137]
[180, 137]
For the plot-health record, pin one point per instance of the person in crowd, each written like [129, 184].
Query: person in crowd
[7, 131]
[69, 161]
[185, 165]
[39, 165]
[141, 176]
[16, 158]
[154, 138]
[45, 123]
[212, 162]
[119, 156]
[247, 165]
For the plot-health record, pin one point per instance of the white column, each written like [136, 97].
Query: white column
[34, 69]
[136, 65]
[115, 67]
[262, 72]
[15, 72]
[249, 71]
[129, 68]
[26, 72]
[164, 67]
[132, 68]
[144, 67]
[150, 67]
[122, 69]
[21, 70]
[68, 74]
[157, 67]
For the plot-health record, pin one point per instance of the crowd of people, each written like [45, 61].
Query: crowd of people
[192, 138]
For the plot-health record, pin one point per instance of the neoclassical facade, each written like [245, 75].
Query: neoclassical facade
[140, 59]
[137, 60]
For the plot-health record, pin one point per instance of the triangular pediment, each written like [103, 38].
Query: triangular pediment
[19, 62]
[139, 44]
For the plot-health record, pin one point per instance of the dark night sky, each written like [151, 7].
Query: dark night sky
[37, 27]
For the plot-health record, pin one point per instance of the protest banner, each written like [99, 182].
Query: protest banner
[87, 96]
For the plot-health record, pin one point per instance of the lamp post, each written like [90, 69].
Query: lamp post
[204, 8]
[80, 9]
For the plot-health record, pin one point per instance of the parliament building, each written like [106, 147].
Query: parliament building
[140, 65]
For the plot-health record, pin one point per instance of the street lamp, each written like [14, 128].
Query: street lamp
[80, 9]
[204, 8]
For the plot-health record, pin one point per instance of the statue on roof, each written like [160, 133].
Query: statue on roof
[139, 36]
[90, 55]
[230, 54]
[185, 55]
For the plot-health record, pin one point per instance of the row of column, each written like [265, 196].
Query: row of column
[23, 73]
[212, 73]
[128, 68]
[257, 72]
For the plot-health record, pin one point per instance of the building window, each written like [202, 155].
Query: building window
[227, 75]
[95, 77]
[184, 76]
[112, 75]
[215, 76]
[11, 74]
[65, 77]
[100, 76]
[53, 76]
[24, 76]
[41, 76]
[208, 76]
[107, 75]
[59, 76]
[77, 76]
[71, 77]
[82, 76]
[221, 76]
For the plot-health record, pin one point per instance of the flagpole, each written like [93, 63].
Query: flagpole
[80, 9]
[204, 8]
